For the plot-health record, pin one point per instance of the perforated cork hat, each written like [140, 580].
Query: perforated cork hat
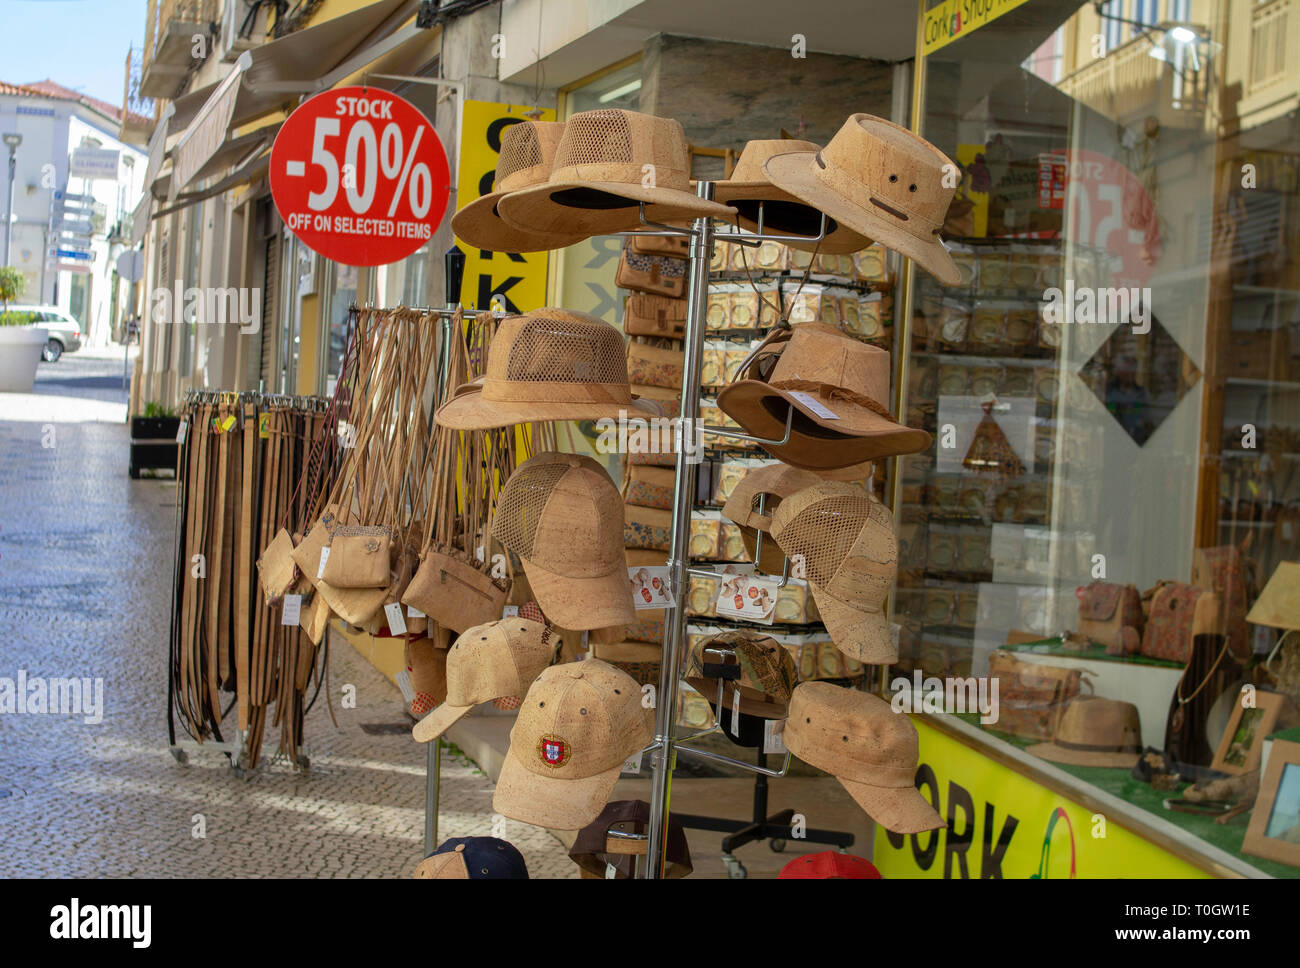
[487, 662]
[782, 212]
[759, 668]
[880, 180]
[563, 516]
[527, 152]
[579, 722]
[839, 389]
[774, 483]
[608, 162]
[859, 739]
[550, 364]
[845, 540]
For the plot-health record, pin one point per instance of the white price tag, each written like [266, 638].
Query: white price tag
[479, 554]
[774, 736]
[396, 623]
[633, 764]
[747, 597]
[404, 683]
[181, 431]
[291, 611]
[510, 611]
[413, 612]
[324, 557]
[735, 712]
[815, 405]
[651, 587]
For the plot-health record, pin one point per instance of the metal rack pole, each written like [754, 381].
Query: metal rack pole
[683, 501]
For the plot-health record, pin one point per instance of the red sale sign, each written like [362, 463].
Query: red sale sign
[359, 175]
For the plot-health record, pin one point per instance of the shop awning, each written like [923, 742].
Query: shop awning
[251, 169]
[272, 76]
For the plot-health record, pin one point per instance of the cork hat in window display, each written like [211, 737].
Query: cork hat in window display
[783, 213]
[607, 163]
[527, 151]
[882, 181]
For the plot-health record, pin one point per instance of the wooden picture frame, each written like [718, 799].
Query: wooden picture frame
[1274, 831]
[1242, 742]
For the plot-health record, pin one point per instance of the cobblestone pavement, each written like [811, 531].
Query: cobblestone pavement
[85, 572]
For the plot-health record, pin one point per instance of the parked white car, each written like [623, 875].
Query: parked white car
[64, 332]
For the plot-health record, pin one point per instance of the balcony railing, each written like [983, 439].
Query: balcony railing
[1129, 84]
[138, 112]
[170, 31]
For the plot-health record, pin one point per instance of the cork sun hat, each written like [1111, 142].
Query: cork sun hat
[783, 213]
[578, 724]
[527, 151]
[839, 389]
[859, 739]
[882, 181]
[550, 364]
[606, 164]
[1094, 731]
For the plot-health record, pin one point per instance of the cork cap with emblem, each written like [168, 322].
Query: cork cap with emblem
[487, 662]
[845, 539]
[474, 859]
[782, 212]
[859, 739]
[880, 180]
[578, 724]
[563, 516]
[839, 389]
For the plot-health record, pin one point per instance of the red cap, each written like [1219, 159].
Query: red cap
[830, 864]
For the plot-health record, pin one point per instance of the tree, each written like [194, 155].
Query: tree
[12, 285]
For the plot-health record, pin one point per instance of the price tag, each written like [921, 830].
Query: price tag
[291, 612]
[632, 764]
[510, 611]
[747, 597]
[815, 405]
[181, 431]
[413, 612]
[651, 587]
[404, 683]
[774, 736]
[735, 711]
[324, 557]
[264, 426]
[396, 623]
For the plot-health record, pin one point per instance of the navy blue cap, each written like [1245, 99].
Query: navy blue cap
[474, 858]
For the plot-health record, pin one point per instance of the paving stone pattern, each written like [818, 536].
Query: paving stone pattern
[85, 576]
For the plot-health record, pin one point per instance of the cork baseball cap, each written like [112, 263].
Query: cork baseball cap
[563, 516]
[579, 722]
[487, 662]
[474, 859]
[759, 668]
[776, 482]
[846, 542]
[872, 750]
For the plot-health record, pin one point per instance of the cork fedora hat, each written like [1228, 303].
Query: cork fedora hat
[606, 164]
[871, 749]
[882, 181]
[550, 364]
[1095, 731]
[782, 212]
[845, 538]
[839, 389]
[527, 152]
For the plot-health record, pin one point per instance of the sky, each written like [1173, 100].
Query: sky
[81, 44]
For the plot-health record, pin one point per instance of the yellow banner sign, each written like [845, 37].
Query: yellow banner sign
[1001, 824]
[954, 19]
[516, 281]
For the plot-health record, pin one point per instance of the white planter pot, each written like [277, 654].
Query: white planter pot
[20, 351]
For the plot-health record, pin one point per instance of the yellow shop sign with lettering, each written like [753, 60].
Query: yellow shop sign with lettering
[1002, 824]
[954, 19]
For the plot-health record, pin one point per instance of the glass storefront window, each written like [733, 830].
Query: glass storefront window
[1114, 387]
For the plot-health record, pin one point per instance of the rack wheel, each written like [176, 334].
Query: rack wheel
[179, 755]
[735, 869]
[776, 844]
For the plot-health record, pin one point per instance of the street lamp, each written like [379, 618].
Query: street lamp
[12, 141]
